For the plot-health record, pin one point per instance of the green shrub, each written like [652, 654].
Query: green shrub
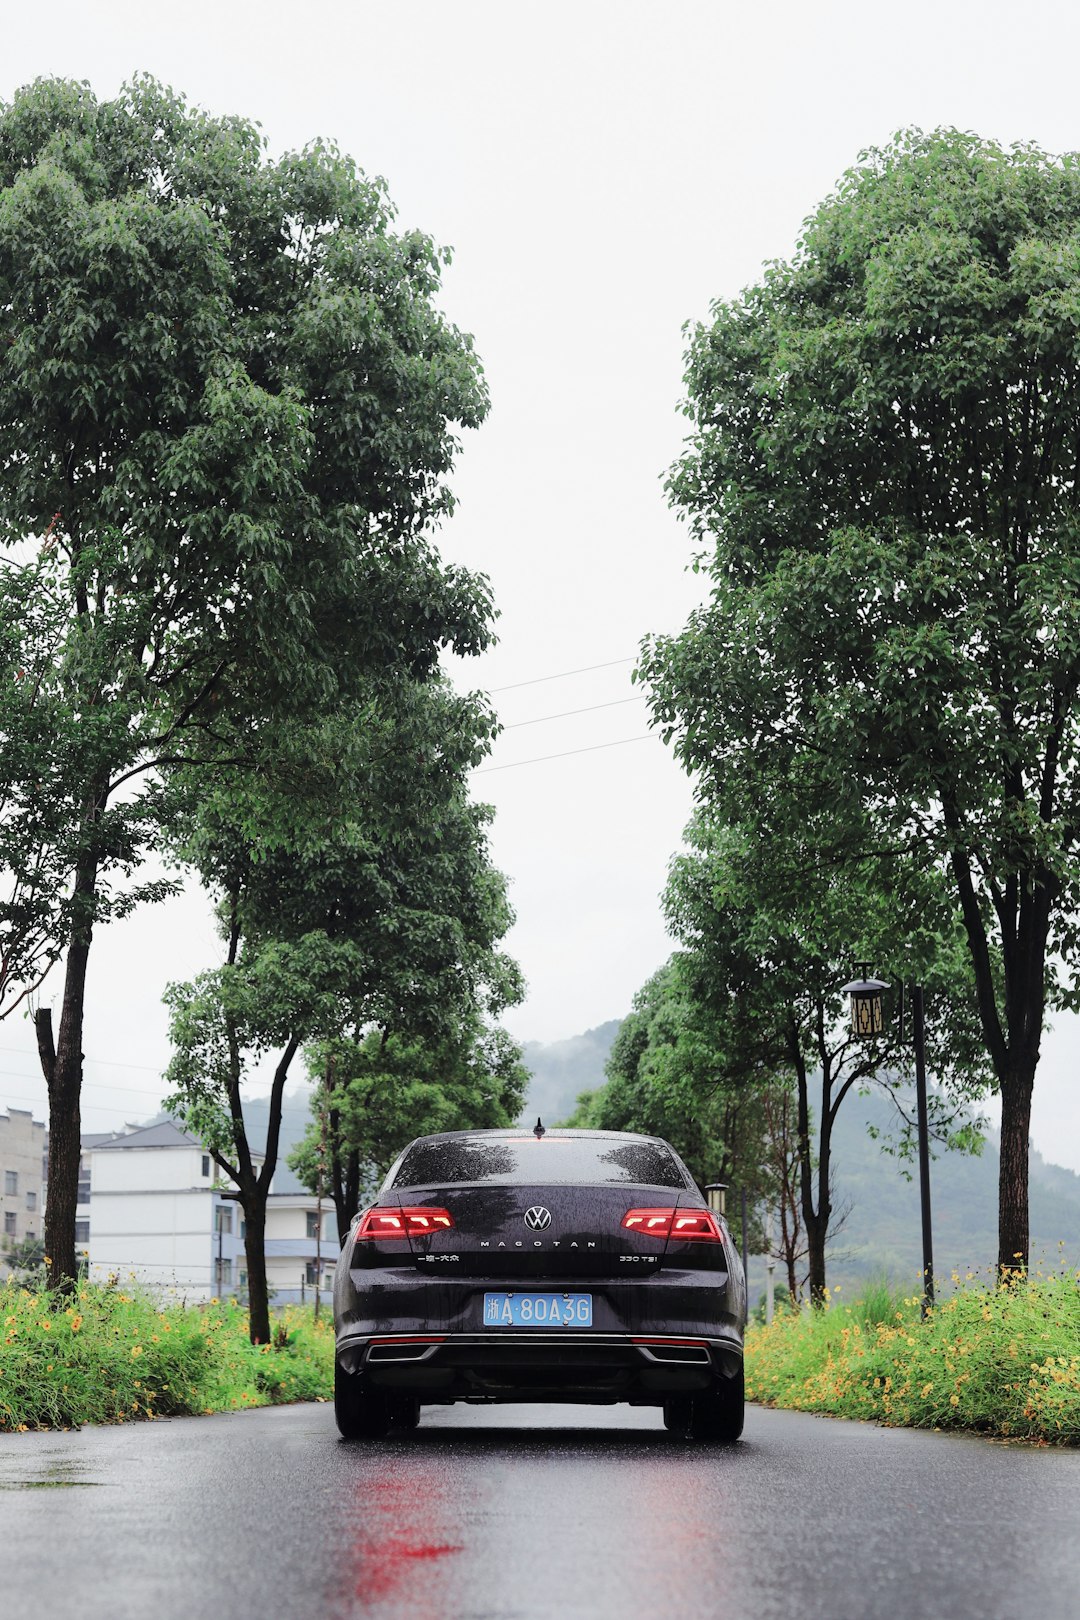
[110, 1356]
[999, 1360]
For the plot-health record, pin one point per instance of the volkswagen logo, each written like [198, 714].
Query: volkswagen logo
[537, 1218]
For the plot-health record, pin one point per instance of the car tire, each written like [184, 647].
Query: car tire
[717, 1413]
[361, 1414]
[678, 1412]
[404, 1411]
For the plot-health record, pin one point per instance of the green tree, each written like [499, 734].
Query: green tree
[677, 1070]
[376, 1093]
[227, 404]
[766, 956]
[666, 1077]
[355, 889]
[882, 482]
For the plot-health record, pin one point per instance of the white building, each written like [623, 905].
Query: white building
[22, 1149]
[160, 1216]
[82, 1209]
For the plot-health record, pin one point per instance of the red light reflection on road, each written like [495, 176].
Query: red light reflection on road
[404, 1531]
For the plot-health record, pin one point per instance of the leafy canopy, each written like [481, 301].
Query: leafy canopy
[377, 1093]
[227, 409]
[883, 483]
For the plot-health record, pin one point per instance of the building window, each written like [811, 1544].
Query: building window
[242, 1277]
[11, 1182]
[82, 1231]
[83, 1194]
[9, 1223]
[312, 1224]
[224, 1219]
[31, 1200]
[206, 1164]
[311, 1274]
[243, 1227]
[222, 1272]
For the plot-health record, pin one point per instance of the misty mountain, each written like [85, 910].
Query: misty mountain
[561, 1070]
[883, 1231]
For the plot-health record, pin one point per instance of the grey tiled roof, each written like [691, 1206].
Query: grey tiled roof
[163, 1135]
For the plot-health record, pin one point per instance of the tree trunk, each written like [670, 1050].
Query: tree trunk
[62, 1068]
[346, 1178]
[789, 1265]
[1013, 1226]
[1024, 913]
[816, 1234]
[815, 1221]
[253, 1201]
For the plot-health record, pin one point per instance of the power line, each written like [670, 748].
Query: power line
[563, 675]
[647, 736]
[566, 713]
[99, 1085]
[99, 1108]
[109, 1063]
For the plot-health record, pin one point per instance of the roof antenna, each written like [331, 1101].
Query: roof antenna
[538, 1128]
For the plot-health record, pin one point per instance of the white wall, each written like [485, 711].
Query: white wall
[286, 1217]
[159, 1239]
[131, 1169]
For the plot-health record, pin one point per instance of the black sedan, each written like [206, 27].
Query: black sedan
[551, 1266]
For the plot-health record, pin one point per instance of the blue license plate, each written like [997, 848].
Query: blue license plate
[538, 1310]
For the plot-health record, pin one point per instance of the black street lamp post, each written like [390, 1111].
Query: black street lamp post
[867, 1019]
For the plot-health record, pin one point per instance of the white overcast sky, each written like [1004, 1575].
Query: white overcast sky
[602, 169]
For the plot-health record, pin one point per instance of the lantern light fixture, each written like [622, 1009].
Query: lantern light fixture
[716, 1196]
[867, 1015]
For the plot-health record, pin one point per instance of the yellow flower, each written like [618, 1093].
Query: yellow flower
[76, 1323]
[136, 1350]
[954, 1400]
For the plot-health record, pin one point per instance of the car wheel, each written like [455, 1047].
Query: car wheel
[678, 1414]
[404, 1411]
[362, 1414]
[717, 1413]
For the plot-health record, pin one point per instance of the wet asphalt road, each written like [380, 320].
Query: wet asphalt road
[521, 1513]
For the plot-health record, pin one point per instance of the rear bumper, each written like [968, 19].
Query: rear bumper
[540, 1366]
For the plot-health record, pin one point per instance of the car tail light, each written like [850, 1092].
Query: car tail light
[402, 1223]
[685, 1225]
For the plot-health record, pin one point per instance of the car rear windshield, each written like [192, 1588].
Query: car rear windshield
[553, 1160]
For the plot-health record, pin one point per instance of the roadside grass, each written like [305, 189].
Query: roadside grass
[109, 1355]
[1001, 1361]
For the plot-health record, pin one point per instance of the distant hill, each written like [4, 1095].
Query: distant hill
[562, 1069]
